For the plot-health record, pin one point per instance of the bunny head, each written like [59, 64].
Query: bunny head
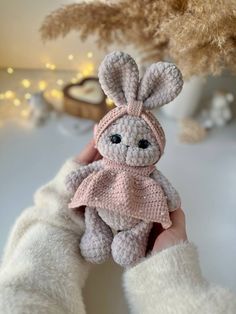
[130, 134]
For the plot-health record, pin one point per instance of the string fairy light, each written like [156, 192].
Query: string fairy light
[70, 57]
[56, 93]
[9, 94]
[86, 72]
[10, 70]
[109, 102]
[88, 69]
[74, 80]
[16, 102]
[79, 76]
[42, 85]
[90, 54]
[27, 96]
[18, 105]
[25, 113]
[50, 66]
[26, 83]
[60, 82]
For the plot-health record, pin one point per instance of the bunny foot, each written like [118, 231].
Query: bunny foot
[95, 244]
[130, 246]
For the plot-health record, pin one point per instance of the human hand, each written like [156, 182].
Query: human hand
[171, 236]
[88, 154]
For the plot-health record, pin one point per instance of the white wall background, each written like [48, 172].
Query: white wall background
[21, 46]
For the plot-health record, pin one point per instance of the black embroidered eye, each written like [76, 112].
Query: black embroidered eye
[115, 138]
[143, 144]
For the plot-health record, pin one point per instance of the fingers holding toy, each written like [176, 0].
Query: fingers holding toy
[88, 154]
[178, 219]
[174, 235]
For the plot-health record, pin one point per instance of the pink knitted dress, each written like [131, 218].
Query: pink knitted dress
[127, 190]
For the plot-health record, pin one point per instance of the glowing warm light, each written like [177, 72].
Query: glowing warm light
[89, 54]
[27, 96]
[91, 67]
[56, 93]
[79, 76]
[88, 69]
[9, 94]
[2, 96]
[85, 72]
[74, 80]
[16, 102]
[24, 113]
[42, 85]
[70, 57]
[50, 66]
[60, 82]
[10, 70]
[25, 83]
[109, 102]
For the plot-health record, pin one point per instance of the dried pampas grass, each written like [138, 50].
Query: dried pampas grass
[198, 35]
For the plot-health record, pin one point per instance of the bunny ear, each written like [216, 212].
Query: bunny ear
[119, 77]
[161, 83]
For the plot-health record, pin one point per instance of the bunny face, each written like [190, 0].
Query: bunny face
[129, 140]
[130, 134]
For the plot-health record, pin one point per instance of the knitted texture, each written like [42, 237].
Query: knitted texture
[119, 78]
[115, 114]
[131, 130]
[132, 243]
[95, 244]
[120, 189]
[173, 198]
[116, 220]
[161, 83]
[74, 179]
[124, 189]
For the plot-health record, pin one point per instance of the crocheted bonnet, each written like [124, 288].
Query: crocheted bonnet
[119, 78]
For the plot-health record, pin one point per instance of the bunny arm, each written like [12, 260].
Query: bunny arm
[173, 198]
[74, 179]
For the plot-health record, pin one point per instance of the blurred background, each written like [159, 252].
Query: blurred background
[50, 100]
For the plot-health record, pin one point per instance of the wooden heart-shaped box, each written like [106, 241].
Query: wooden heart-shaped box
[85, 99]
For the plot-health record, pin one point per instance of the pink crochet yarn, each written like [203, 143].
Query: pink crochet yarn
[124, 189]
[134, 108]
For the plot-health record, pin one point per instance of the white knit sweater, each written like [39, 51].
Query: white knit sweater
[42, 271]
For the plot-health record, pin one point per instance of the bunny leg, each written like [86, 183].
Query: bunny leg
[130, 245]
[95, 244]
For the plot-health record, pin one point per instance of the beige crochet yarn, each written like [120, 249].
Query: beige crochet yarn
[124, 193]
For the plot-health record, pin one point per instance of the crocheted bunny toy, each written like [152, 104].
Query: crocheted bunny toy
[124, 193]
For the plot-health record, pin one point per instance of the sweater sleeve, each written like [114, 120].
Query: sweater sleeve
[170, 282]
[42, 271]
